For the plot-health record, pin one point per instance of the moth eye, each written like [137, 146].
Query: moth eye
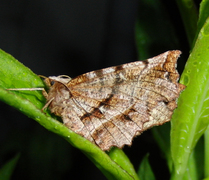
[52, 83]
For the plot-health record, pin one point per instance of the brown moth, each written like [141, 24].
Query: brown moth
[111, 106]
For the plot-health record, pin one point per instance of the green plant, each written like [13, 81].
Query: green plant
[188, 124]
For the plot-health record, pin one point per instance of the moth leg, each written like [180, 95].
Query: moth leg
[47, 104]
[45, 94]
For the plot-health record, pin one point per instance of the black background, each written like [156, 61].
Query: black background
[73, 37]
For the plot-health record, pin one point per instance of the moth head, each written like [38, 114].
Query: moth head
[63, 79]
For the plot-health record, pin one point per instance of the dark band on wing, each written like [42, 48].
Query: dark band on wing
[96, 111]
[119, 68]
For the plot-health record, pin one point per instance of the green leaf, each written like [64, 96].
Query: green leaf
[7, 170]
[14, 74]
[145, 170]
[195, 166]
[191, 118]
[189, 16]
[203, 15]
[120, 157]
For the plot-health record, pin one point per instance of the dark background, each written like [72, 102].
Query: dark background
[59, 37]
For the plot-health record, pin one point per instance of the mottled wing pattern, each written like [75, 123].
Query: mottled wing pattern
[111, 106]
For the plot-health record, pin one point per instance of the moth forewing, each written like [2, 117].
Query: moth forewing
[111, 106]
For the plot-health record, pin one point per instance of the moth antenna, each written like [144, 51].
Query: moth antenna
[45, 94]
[44, 77]
[29, 89]
[26, 89]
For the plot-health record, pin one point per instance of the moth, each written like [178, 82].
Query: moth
[111, 106]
